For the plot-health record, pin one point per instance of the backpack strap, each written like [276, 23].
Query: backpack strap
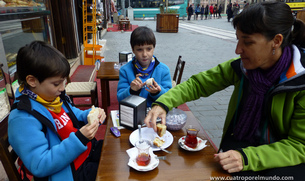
[66, 100]
[25, 104]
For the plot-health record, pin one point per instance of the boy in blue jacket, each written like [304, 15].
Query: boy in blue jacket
[63, 150]
[143, 66]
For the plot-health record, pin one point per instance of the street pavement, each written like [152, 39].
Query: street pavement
[202, 44]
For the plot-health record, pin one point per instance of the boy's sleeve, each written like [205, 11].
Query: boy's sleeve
[123, 89]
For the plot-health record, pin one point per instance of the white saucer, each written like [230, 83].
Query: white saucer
[154, 161]
[200, 146]
[150, 134]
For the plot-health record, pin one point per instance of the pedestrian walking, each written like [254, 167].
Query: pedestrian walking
[190, 12]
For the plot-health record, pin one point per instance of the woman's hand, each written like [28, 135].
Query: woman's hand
[89, 130]
[153, 114]
[231, 161]
[154, 88]
[137, 84]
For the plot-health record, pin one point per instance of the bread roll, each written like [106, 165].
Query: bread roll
[149, 81]
[158, 142]
[93, 115]
[161, 129]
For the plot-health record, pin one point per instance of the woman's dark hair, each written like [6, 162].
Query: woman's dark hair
[270, 19]
[142, 36]
[42, 61]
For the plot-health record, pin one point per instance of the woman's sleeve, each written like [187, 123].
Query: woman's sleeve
[202, 84]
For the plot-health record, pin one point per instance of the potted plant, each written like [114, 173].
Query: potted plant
[168, 21]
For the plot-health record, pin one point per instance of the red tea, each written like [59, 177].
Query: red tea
[143, 159]
[191, 138]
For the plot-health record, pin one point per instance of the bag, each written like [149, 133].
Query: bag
[25, 174]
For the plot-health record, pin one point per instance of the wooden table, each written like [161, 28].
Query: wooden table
[107, 73]
[180, 165]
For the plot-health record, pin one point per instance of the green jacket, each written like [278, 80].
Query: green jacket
[286, 105]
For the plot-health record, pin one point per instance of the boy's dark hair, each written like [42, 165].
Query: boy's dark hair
[270, 19]
[142, 36]
[42, 61]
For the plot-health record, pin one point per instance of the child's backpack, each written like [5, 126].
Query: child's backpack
[25, 104]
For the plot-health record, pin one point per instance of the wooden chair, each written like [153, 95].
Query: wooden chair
[83, 89]
[7, 155]
[178, 72]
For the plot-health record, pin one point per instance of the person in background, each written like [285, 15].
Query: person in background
[246, 5]
[211, 10]
[202, 12]
[215, 10]
[235, 9]
[229, 12]
[190, 12]
[264, 128]
[206, 11]
[67, 148]
[197, 11]
[144, 65]
[219, 11]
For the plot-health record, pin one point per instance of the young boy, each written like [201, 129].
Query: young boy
[143, 66]
[64, 150]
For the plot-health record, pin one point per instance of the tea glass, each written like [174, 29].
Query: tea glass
[191, 136]
[143, 157]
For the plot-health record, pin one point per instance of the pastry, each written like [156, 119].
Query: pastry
[161, 129]
[93, 115]
[158, 142]
[149, 81]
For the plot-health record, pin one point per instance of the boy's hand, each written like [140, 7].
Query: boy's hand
[102, 115]
[154, 88]
[89, 130]
[137, 84]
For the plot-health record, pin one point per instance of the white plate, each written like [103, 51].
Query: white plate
[150, 134]
[200, 146]
[154, 161]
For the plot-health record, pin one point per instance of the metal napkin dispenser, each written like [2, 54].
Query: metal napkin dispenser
[125, 57]
[132, 111]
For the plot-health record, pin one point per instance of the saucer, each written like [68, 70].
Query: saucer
[150, 134]
[200, 146]
[154, 161]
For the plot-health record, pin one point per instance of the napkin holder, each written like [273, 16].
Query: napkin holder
[132, 111]
[125, 57]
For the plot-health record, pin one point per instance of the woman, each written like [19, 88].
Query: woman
[265, 125]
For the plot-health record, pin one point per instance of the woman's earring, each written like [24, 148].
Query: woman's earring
[273, 51]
